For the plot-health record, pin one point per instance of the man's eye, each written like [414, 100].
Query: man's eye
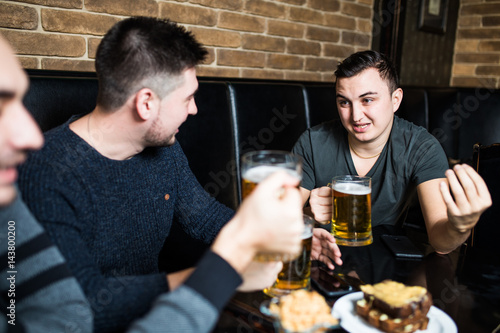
[343, 103]
[367, 100]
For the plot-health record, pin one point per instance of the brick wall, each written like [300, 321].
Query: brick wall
[274, 39]
[477, 46]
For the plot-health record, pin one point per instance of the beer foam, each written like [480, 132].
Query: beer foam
[353, 189]
[307, 233]
[261, 172]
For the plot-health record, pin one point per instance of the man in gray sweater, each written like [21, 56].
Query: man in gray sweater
[39, 294]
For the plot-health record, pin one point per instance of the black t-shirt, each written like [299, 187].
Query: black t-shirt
[410, 157]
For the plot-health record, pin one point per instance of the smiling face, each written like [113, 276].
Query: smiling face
[18, 131]
[173, 112]
[366, 106]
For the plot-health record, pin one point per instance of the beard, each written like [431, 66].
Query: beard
[155, 136]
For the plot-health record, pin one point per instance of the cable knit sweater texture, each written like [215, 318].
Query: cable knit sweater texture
[110, 218]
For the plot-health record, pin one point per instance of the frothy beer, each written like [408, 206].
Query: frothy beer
[295, 274]
[351, 216]
[254, 176]
[250, 179]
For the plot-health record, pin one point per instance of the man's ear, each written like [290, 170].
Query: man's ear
[397, 97]
[146, 103]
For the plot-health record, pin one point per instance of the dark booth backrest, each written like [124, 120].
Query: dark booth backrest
[53, 100]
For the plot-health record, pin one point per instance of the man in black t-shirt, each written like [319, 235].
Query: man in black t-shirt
[402, 159]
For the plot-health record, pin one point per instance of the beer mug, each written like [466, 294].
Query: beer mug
[257, 166]
[352, 213]
[296, 274]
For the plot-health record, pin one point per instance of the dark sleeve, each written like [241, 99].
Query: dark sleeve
[214, 279]
[303, 148]
[199, 214]
[429, 160]
[196, 305]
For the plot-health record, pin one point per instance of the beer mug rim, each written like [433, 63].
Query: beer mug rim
[246, 157]
[351, 178]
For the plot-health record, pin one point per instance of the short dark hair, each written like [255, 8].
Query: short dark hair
[141, 52]
[359, 61]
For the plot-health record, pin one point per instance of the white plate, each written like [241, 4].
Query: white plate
[345, 309]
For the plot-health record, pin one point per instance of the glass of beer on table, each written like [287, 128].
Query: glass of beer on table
[296, 274]
[352, 213]
[258, 165]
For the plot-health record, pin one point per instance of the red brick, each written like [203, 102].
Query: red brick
[320, 64]
[207, 71]
[265, 8]
[240, 58]
[303, 76]
[33, 43]
[479, 33]
[93, 43]
[466, 46]
[325, 5]
[365, 26]
[356, 39]
[293, 2]
[489, 46]
[28, 62]
[473, 82]
[222, 4]
[491, 21]
[488, 70]
[295, 46]
[480, 9]
[183, 13]
[123, 7]
[477, 58]
[463, 70]
[263, 74]
[68, 65]
[340, 21]
[356, 10]
[76, 22]
[241, 22]
[282, 61]
[19, 17]
[214, 37]
[73, 4]
[282, 28]
[337, 51]
[323, 34]
[263, 43]
[306, 15]
[469, 21]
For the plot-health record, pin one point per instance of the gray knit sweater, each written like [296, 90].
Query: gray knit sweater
[38, 292]
[110, 218]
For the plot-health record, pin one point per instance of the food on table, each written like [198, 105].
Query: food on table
[302, 309]
[394, 307]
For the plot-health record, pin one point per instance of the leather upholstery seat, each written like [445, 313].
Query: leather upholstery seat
[414, 107]
[321, 103]
[53, 100]
[236, 116]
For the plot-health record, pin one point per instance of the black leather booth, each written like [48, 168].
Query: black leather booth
[235, 116]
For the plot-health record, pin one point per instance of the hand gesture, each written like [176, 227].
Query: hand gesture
[320, 201]
[324, 248]
[470, 197]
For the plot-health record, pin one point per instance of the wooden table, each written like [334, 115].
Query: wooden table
[464, 284]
